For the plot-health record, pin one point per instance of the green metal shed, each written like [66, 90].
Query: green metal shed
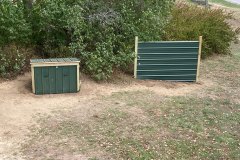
[55, 76]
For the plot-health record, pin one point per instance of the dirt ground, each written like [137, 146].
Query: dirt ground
[19, 106]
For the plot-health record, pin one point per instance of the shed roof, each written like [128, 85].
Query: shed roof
[55, 60]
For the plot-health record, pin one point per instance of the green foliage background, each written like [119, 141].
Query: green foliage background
[188, 22]
[101, 32]
[15, 35]
[13, 26]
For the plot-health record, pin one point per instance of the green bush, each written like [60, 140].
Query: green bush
[13, 26]
[100, 32]
[56, 25]
[13, 60]
[14, 29]
[188, 22]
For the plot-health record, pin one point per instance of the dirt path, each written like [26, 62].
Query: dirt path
[18, 106]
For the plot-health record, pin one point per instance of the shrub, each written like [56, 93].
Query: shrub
[188, 22]
[100, 32]
[56, 25]
[14, 28]
[13, 60]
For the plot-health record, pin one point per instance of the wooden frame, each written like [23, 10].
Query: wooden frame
[33, 81]
[199, 43]
[49, 64]
[199, 58]
[136, 56]
[78, 76]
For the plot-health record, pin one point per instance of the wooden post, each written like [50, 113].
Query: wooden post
[199, 58]
[33, 80]
[78, 80]
[136, 54]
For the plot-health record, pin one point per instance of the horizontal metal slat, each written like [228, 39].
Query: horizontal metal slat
[191, 53]
[181, 75]
[166, 66]
[189, 78]
[167, 72]
[169, 44]
[167, 47]
[170, 61]
[167, 56]
[168, 50]
[170, 70]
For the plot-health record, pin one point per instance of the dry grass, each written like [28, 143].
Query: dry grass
[144, 125]
[140, 125]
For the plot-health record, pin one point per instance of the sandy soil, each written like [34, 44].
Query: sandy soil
[19, 106]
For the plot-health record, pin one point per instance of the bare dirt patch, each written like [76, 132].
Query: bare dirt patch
[142, 126]
[18, 105]
[19, 108]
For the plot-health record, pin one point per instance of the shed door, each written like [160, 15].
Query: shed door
[53, 80]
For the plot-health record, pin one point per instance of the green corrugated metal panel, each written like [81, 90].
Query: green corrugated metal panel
[166, 72]
[45, 80]
[173, 60]
[166, 66]
[52, 80]
[66, 80]
[168, 44]
[168, 61]
[38, 80]
[187, 78]
[167, 56]
[73, 78]
[59, 82]
[55, 79]
[168, 50]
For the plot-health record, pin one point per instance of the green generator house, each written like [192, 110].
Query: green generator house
[55, 76]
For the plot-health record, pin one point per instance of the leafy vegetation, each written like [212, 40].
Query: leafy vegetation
[15, 34]
[14, 28]
[188, 22]
[13, 60]
[101, 32]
